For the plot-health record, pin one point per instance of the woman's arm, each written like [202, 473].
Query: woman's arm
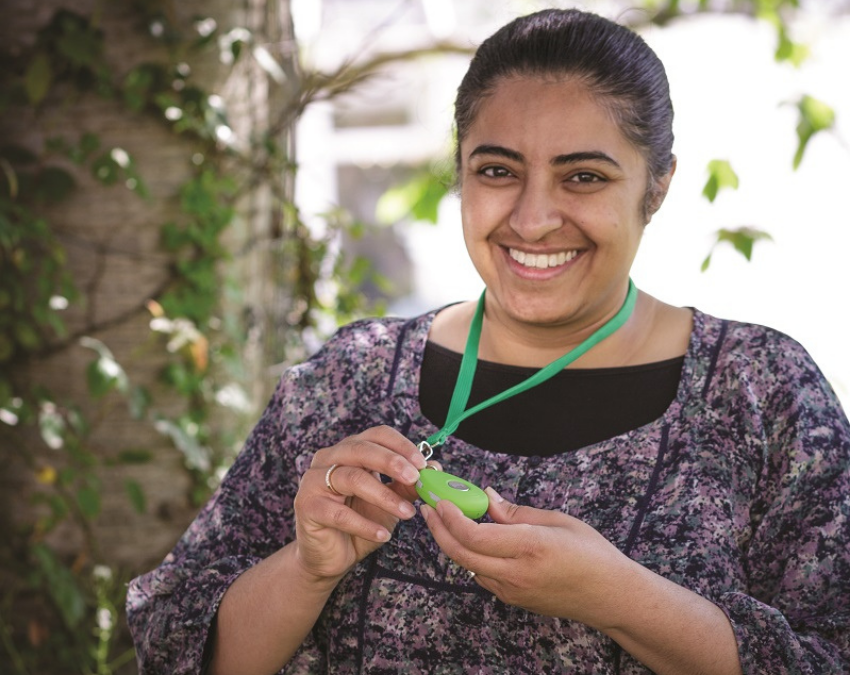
[240, 544]
[550, 563]
[266, 614]
[269, 610]
[669, 628]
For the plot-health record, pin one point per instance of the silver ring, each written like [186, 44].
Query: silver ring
[330, 485]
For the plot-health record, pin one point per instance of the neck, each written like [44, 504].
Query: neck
[504, 340]
[655, 332]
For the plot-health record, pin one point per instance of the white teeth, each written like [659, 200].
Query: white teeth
[542, 261]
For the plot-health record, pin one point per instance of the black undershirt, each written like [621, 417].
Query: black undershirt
[574, 409]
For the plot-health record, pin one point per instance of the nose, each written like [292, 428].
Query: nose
[536, 212]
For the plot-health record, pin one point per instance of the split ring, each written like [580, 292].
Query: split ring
[330, 485]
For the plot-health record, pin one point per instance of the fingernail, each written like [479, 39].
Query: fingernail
[494, 495]
[425, 510]
[409, 475]
[406, 510]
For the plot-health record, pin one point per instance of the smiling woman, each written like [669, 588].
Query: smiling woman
[666, 491]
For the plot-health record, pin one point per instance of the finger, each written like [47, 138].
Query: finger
[453, 537]
[380, 449]
[351, 481]
[491, 540]
[504, 512]
[408, 492]
[319, 513]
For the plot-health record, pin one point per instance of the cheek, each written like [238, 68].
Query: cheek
[473, 216]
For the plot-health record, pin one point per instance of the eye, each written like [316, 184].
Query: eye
[586, 177]
[494, 171]
[585, 181]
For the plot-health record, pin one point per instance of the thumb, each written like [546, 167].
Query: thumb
[505, 513]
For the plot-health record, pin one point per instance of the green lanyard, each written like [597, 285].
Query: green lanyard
[463, 386]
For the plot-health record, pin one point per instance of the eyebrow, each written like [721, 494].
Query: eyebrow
[559, 160]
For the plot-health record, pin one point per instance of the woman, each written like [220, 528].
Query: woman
[675, 501]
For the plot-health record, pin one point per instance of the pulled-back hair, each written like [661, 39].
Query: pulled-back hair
[617, 66]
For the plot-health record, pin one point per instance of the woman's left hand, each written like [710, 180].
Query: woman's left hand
[551, 563]
[544, 561]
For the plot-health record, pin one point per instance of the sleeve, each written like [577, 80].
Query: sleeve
[171, 610]
[795, 617]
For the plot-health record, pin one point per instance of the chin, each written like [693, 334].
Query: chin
[537, 315]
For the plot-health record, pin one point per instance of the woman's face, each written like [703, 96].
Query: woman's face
[552, 200]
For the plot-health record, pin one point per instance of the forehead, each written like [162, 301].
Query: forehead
[547, 116]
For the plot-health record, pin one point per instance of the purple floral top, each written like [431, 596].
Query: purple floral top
[740, 492]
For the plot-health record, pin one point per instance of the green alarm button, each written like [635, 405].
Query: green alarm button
[434, 485]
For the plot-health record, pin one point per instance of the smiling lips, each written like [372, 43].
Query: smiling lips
[542, 261]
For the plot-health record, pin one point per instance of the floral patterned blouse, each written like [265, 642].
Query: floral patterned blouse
[740, 491]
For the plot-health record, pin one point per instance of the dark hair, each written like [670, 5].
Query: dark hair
[615, 63]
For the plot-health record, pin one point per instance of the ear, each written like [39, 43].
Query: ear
[657, 193]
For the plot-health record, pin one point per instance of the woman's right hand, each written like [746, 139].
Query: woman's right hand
[336, 531]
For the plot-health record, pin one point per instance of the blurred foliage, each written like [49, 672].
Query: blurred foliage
[720, 175]
[815, 117]
[61, 614]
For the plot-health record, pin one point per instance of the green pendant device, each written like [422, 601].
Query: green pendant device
[434, 486]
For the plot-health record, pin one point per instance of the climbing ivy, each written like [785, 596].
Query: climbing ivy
[64, 615]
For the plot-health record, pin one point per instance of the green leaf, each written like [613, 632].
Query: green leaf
[815, 117]
[195, 454]
[742, 240]
[38, 77]
[26, 336]
[89, 142]
[720, 175]
[135, 456]
[139, 84]
[419, 198]
[139, 402]
[790, 51]
[80, 43]
[106, 169]
[61, 584]
[88, 500]
[104, 373]
[136, 495]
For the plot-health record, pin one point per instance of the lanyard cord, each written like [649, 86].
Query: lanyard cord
[463, 386]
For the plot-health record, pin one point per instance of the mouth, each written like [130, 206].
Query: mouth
[542, 261]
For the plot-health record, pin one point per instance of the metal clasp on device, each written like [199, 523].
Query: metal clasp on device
[426, 449]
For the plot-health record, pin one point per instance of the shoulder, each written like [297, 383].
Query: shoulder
[763, 363]
[358, 356]
[753, 346]
[375, 340]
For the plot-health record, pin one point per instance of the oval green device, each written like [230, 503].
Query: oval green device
[434, 485]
